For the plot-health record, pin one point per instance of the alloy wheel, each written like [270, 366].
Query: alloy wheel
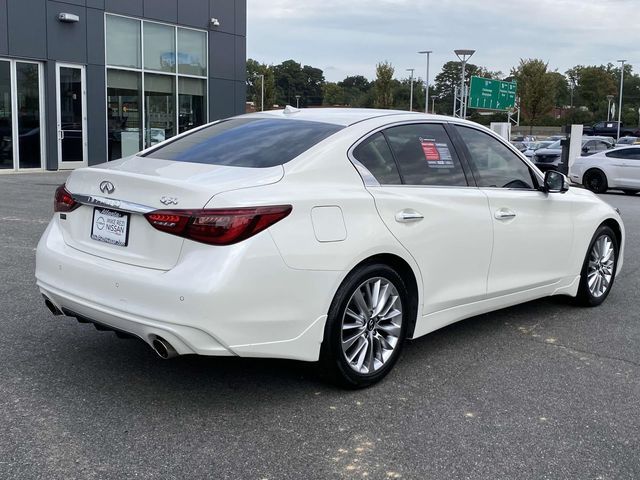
[601, 265]
[371, 325]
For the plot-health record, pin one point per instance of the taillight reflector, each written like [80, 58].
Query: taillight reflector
[63, 201]
[217, 226]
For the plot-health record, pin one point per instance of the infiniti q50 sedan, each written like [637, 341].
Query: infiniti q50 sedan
[328, 235]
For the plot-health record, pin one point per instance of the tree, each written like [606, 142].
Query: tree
[357, 91]
[593, 84]
[293, 79]
[333, 94]
[254, 84]
[535, 88]
[384, 85]
[561, 93]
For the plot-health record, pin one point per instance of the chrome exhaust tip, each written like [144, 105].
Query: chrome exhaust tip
[52, 308]
[163, 348]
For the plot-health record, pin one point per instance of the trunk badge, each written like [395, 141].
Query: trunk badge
[107, 187]
[169, 200]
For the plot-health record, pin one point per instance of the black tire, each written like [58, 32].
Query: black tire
[596, 181]
[630, 192]
[585, 297]
[333, 363]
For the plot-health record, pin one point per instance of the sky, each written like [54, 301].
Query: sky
[349, 37]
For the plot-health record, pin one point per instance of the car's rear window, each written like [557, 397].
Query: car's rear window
[247, 142]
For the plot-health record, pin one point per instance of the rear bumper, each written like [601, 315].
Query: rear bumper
[239, 300]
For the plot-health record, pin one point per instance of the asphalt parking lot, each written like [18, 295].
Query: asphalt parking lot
[544, 390]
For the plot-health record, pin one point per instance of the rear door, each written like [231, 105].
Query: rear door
[532, 230]
[425, 201]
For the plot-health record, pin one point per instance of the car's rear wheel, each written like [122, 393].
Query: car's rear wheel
[596, 181]
[366, 327]
[630, 192]
[599, 268]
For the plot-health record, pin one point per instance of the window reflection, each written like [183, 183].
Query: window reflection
[28, 92]
[192, 52]
[123, 42]
[6, 143]
[192, 103]
[159, 47]
[160, 111]
[123, 114]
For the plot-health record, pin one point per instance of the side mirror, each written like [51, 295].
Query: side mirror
[555, 182]
[585, 149]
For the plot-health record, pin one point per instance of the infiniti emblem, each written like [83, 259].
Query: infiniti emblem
[107, 187]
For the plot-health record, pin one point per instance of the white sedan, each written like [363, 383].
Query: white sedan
[328, 235]
[614, 169]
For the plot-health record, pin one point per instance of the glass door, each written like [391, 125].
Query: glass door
[21, 115]
[72, 117]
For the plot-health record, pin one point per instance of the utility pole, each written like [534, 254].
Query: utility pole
[426, 88]
[262, 94]
[621, 85]
[411, 94]
[464, 55]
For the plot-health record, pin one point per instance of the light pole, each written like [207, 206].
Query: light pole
[262, 93]
[621, 85]
[297, 101]
[609, 100]
[411, 94]
[463, 55]
[426, 88]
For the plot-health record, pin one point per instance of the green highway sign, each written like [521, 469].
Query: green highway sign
[488, 94]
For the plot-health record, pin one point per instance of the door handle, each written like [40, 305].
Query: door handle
[408, 215]
[505, 214]
[60, 134]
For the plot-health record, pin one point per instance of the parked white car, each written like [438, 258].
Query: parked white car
[319, 234]
[613, 169]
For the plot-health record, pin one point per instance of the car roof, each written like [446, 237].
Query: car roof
[341, 116]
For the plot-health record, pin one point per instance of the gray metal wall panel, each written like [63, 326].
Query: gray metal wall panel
[165, 10]
[51, 116]
[240, 98]
[4, 37]
[81, 3]
[222, 95]
[95, 36]
[225, 11]
[96, 115]
[222, 55]
[67, 42]
[240, 58]
[194, 13]
[99, 4]
[241, 17]
[27, 24]
[125, 7]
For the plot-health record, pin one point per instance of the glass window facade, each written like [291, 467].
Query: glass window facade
[6, 122]
[156, 82]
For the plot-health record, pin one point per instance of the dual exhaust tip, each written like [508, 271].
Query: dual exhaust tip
[159, 344]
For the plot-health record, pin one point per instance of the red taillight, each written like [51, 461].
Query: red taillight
[63, 201]
[217, 226]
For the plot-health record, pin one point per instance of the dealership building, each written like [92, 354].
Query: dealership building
[85, 81]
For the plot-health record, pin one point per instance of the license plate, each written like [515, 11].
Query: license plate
[110, 226]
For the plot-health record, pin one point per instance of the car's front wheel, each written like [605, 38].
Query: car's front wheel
[596, 181]
[599, 268]
[366, 327]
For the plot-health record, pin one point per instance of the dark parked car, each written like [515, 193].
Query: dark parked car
[610, 129]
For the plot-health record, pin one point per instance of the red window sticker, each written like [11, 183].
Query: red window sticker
[431, 153]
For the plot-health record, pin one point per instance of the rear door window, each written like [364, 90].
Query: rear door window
[246, 142]
[425, 155]
[375, 155]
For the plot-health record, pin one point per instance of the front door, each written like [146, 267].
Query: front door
[72, 116]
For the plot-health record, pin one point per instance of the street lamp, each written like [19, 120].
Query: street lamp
[621, 85]
[463, 55]
[609, 100]
[411, 94]
[426, 89]
[262, 93]
[297, 101]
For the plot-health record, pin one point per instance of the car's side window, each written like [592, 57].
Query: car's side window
[630, 153]
[601, 146]
[375, 155]
[425, 155]
[493, 164]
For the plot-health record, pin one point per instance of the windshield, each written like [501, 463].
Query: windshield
[246, 142]
[555, 145]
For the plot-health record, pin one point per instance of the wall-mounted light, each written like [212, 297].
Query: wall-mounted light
[215, 22]
[68, 18]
